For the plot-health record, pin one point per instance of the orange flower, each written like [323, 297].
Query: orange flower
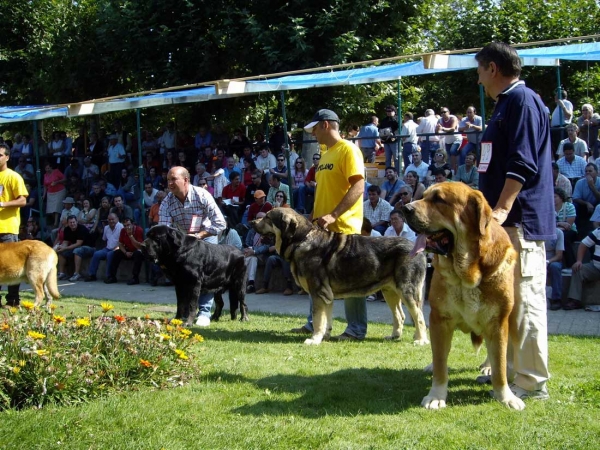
[5, 327]
[145, 363]
[59, 319]
[120, 319]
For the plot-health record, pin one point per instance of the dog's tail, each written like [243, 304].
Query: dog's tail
[51, 283]
[476, 340]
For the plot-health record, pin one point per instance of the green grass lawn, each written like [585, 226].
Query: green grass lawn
[261, 388]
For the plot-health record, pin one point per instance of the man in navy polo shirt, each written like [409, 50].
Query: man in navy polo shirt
[516, 148]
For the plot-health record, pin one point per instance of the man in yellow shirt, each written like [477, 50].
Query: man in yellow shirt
[338, 205]
[13, 195]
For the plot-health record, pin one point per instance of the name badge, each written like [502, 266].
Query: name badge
[486, 157]
[196, 224]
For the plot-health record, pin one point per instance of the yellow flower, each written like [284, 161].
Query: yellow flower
[145, 363]
[35, 335]
[164, 336]
[22, 362]
[198, 338]
[5, 327]
[41, 352]
[13, 310]
[181, 354]
[53, 306]
[106, 307]
[185, 332]
[59, 319]
[16, 370]
[27, 305]
[176, 322]
[169, 328]
[83, 322]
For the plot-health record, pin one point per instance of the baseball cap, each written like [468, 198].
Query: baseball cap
[259, 194]
[321, 115]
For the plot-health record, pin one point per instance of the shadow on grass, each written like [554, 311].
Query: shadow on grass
[349, 392]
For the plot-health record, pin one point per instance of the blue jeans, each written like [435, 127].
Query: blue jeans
[428, 148]
[452, 149]
[355, 309]
[407, 149]
[301, 204]
[207, 299]
[555, 275]
[97, 257]
[391, 155]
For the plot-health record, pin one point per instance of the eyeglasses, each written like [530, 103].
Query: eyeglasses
[403, 193]
[279, 196]
[280, 160]
[445, 111]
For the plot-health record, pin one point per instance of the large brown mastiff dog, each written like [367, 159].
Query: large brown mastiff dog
[31, 262]
[330, 265]
[472, 285]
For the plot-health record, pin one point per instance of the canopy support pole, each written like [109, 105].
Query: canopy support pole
[38, 177]
[141, 169]
[286, 148]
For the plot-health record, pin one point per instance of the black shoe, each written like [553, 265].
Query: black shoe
[555, 305]
[133, 281]
[90, 278]
[153, 283]
[110, 280]
[250, 289]
[168, 283]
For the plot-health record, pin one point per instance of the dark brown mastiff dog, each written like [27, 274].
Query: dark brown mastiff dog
[330, 265]
[472, 284]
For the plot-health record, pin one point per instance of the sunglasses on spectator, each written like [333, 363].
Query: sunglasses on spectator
[299, 162]
[279, 195]
[403, 193]
[439, 154]
[316, 159]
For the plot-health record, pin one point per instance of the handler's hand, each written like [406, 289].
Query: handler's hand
[500, 215]
[325, 221]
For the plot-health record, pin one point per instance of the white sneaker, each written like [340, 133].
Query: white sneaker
[372, 298]
[203, 321]
[75, 277]
[62, 276]
[540, 394]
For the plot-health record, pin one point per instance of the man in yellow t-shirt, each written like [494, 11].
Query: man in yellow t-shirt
[13, 195]
[338, 205]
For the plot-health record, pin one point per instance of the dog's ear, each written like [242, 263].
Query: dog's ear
[480, 210]
[291, 224]
[175, 236]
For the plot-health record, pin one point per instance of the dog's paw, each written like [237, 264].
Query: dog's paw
[423, 341]
[244, 319]
[431, 402]
[509, 400]
[393, 338]
[313, 341]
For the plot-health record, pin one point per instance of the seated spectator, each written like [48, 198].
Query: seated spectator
[32, 230]
[234, 195]
[588, 124]
[276, 185]
[97, 194]
[399, 228]
[421, 168]
[121, 210]
[68, 210]
[256, 245]
[565, 221]
[125, 186]
[149, 196]
[74, 168]
[154, 178]
[273, 261]
[413, 180]
[230, 167]
[467, 173]
[586, 196]
[102, 216]
[303, 205]
[87, 216]
[403, 197]
[440, 175]
[439, 162]
[377, 210]
[248, 171]
[579, 145]
[201, 174]
[554, 258]
[260, 205]
[391, 185]
[280, 170]
[153, 212]
[130, 241]
[281, 200]
[595, 219]
[584, 273]
[265, 159]
[571, 165]
[229, 236]
[560, 181]
[110, 235]
[74, 236]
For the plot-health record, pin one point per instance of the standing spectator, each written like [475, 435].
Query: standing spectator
[448, 125]
[169, 138]
[131, 238]
[91, 173]
[467, 172]
[561, 116]
[13, 195]
[193, 210]
[579, 145]
[409, 142]
[520, 154]
[471, 126]
[54, 192]
[588, 124]
[339, 208]
[110, 235]
[95, 150]
[202, 139]
[584, 273]
[27, 148]
[388, 127]
[116, 158]
[586, 196]
[431, 143]
[25, 169]
[369, 141]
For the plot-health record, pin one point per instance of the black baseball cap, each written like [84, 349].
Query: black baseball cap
[320, 116]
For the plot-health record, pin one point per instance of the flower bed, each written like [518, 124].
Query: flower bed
[48, 358]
